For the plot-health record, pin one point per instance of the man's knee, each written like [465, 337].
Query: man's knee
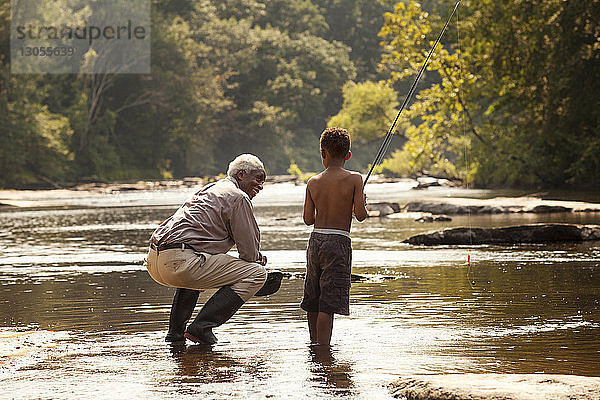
[257, 278]
[253, 280]
[260, 275]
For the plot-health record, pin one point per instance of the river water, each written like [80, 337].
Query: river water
[81, 318]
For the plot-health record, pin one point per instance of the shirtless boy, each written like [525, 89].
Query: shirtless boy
[332, 197]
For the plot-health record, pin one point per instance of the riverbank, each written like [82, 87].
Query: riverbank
[170, 192]
[425, 196]
[191, 181]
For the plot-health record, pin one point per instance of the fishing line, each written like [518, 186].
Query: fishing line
[388, 137]
[466, 155]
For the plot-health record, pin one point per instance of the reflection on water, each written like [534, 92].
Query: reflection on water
[79, 315]
[333, 375]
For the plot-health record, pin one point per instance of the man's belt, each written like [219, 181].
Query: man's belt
[163, 247]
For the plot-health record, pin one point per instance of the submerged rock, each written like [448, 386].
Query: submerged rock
[536, 233]
[456, 209]
[499, 205]
[382, 209]
[496, 387]
[426, 217]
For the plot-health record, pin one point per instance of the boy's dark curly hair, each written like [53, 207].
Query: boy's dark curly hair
[336, 141]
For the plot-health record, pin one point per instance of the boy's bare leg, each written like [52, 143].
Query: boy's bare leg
[312, 325]
[324, 328]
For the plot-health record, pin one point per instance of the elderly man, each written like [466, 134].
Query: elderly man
[188, 252]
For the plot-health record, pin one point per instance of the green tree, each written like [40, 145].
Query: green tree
[284, 15]
[227, 77]
[368, 111]
[541, 63]
[186, 94]
[434, 126]
[35, 140]
[282, 87]
[509, 96]
[155, 124]
[356, 23]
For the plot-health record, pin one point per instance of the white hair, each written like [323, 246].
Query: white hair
[245, 162]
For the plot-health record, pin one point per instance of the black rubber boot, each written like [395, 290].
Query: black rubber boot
[216, 311]
[183, 306]
[271, 285]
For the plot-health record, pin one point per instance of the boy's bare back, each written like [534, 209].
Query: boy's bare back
[331, 198]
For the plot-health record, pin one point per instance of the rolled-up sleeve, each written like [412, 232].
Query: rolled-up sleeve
[244, 230]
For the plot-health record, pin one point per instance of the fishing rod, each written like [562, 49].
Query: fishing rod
[388, 137]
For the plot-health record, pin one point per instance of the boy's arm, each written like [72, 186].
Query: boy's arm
[360, 210]
[309, 207]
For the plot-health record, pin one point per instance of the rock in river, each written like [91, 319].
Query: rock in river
[382, 209]
[497, 387]
[535, 233]
[499, 205]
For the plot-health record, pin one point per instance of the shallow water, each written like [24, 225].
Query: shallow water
[80, 317]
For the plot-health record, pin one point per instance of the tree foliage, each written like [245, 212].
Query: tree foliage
[227, 77]
[510, 96]
[356, 23]
[368, 110]
[513, 102]
[541, 64]
[435, 123]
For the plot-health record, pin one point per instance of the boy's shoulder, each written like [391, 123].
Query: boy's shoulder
[341, 174]
[314, 179]
[354, 173]
[353, 176]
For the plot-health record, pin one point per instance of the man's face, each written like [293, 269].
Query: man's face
[251, 182]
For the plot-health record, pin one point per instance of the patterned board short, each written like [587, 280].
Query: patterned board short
[327, 282]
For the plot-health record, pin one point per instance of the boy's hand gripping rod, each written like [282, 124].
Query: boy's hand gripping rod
[388, 136]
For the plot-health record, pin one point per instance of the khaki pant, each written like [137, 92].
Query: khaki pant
[195, 270]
